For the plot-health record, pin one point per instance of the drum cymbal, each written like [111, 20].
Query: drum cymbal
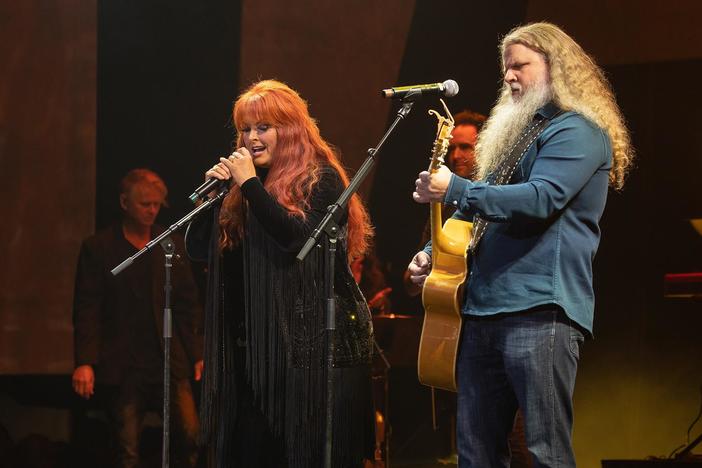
[398, 336]
[392, 316]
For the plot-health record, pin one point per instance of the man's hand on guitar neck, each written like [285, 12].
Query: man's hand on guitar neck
[431, 187]
[419, 268]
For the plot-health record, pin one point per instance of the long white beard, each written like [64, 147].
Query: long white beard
[507, 121]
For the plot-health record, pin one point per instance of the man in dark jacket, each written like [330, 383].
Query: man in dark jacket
[118, 322]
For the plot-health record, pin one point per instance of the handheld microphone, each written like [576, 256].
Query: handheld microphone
[448, 88]
[206, 187]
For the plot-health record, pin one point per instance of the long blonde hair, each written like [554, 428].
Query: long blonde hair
[578, 85]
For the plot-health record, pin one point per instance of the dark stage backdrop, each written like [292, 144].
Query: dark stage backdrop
[47, 173]
[337, 55]
[167, 76]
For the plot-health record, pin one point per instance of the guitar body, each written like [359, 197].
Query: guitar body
[442, 296]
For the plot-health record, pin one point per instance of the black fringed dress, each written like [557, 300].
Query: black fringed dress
[263, 395]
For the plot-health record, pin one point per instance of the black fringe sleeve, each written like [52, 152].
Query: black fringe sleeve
[291, 231]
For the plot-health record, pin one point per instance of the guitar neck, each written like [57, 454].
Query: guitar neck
[438, 239]
[439, 151]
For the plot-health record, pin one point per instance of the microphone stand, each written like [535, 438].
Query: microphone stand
[169, 249]
[329, 226]
[688, 448]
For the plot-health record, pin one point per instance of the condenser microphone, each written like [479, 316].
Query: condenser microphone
[448, 88]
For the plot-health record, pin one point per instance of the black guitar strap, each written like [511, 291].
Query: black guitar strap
[505, 170]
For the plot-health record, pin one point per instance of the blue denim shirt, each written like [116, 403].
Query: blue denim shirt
[544, 233]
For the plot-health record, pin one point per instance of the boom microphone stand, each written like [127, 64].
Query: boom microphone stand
[329, 226]
[168, 249]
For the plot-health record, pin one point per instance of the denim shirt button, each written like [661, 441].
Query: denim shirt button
[455, 203]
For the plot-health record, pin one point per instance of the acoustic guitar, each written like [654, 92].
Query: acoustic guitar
[443, 289]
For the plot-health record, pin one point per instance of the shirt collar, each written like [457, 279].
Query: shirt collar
[549, 110]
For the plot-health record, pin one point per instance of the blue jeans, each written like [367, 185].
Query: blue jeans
[525, 360]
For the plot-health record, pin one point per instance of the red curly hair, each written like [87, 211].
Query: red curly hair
[300, 154]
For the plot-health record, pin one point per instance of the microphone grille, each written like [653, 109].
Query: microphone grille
[450, 88]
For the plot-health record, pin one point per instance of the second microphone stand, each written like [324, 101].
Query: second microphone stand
[330, 227]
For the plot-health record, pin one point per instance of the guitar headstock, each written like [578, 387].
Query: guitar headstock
[443, 136]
